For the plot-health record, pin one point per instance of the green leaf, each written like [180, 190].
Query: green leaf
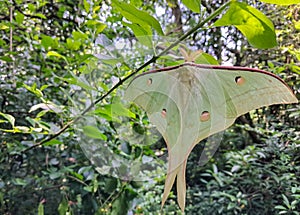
[119, 110]
[55, 175]
[22, 129]
[205, 58]
[88, 189]
[46, 41]
[110, 185]
[53, 142]
[19, 17]
[44, 87]
[42, 16]
[137, 16]
[295, 189]
[73, 45]
[86, 6]
[255, 26]
[93, 132]
[286, 201]
[77, 175]
[96, 24]
[110, 59]
[79, 35]
[79, 81]
[19, 181]
[143, 34]
[96, 8]
[9, 118]
[297, 25]
[88, 58]
[281, 2]
[121, 204]
[34, 90]
[46, 106]
[31, 7]
[100, 28]
[63, 207]
[280, 207]
[193, 5]
[6, 58]
[112, 112]
[3, 26]
[2, 42]
[56, 54]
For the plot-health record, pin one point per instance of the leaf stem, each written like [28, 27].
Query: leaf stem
[121, 81]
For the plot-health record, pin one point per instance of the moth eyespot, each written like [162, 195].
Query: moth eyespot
[149, 81]
[205, 116]
[164, 113]
[239, 80]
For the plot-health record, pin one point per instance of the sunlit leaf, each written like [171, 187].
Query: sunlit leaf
[100, 28]
[255, 26]
[96, 24]
[46, 106]
[44, 87]
[34, 90]
[77, 35]
[21, 129]
[42, 16]
[9, 118]
[205, 58]
[56, 54]
[297, 25]
[281, 2]
[137, 16]
[86, 6]
[193, 5]
[19, 17]
[3, 26]
[73, 45]
[119, 110]
[96, 8]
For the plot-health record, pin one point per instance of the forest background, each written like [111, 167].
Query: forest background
[58, 57]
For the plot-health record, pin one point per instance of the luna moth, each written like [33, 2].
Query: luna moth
[189, 102]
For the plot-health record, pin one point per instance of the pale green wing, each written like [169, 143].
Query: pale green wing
[190, 102]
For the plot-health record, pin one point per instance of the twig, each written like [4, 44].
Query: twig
[112, 197]
[121, 81]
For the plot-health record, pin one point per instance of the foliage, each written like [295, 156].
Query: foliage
[58, 57]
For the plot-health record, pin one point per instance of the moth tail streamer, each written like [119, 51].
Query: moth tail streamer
[179, 174]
